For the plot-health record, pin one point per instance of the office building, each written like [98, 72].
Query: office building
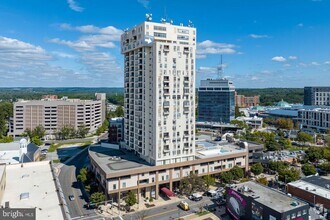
[317, 95]
[243, 101]
[159, 61]
[317, 119]
[313, 189]
[53, 113]
[116, 130]
[119, 171]
[250, 200]
[254, 122]
[216, 101]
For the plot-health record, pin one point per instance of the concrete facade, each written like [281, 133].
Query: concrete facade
[53, 114]
[159, 68]
[317, 119]
[317, 95]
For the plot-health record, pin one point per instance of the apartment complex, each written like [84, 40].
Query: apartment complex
[243, 101]
[159, 60]
[53, 113]
[316, 118]
[317, 96]
[216, 101]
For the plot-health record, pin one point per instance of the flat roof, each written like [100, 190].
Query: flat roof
[315, 185]
[36, 179]
[113, 160]
[269, 197]
[213, 149]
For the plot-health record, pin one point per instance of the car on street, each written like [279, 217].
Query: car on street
[195, 197]
[184, 206]
[71, 197]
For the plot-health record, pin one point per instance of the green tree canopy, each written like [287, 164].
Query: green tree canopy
[308, 169]
[289, 174]
[314, 153]
[209, 181]
[325, 167]
[191, 184]
[97, 197]
[304, 137]
[257, 168]
[262, 180]
[130, 199]
[226, 177]
[237, 172]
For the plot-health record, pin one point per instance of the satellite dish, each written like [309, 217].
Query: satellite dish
[163, 20]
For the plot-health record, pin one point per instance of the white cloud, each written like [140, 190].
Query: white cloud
[300, 25]
[74, 6]
[287, 65]
[256, 36]
[293, 57]
[315, 63]
[63, 55]
[210, 47]
[327, 62]
[278, 59]
[144, 3]
[98, 37]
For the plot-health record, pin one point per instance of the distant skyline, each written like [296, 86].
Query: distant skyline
[76, 43]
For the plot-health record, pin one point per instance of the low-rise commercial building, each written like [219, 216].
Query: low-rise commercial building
[30, 186]
[316, 119]
[254, 122]
[314, 189]
[53, 114]
[121, 171]
[250, 200]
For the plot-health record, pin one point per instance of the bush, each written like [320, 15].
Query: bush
[308, 169]
[257, 169]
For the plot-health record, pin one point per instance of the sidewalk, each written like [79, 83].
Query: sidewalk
[209, 216]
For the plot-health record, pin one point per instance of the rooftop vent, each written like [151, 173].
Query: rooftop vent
[25, 195]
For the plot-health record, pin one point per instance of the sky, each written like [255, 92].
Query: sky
[76, 43]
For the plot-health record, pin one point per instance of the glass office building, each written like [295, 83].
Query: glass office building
[216, 101]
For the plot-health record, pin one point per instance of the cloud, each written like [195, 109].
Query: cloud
[63, 55]
[97, 37]
[144, 3]
[300, 25]
[256, 36]
[279, 59]
[293, 57]
[210, 47]
[74, 6]
[315, 63]
[327, 62]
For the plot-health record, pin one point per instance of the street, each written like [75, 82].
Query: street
[170, 211]
[70, 186]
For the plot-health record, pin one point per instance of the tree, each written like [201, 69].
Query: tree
[191, 184]
[288, 175]
[325, 167]
[39, 131]
[119, 112]
[82, 131]
[36, 140]
[257, 169]
[308, 169]
[277, 165]
[237, 172]
[130, 199]
[226, 177]
[284, 123]
[314, 153]
[82, 176]
[97, 197]
[304, 137]
[262, 180]
[238, 123]
[285, 143]
[209, 181]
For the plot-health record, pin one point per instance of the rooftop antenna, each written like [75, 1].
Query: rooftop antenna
[148, 17]
[220, 69]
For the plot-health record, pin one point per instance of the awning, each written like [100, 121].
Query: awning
[168, 192]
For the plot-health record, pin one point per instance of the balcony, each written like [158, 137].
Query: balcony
[166, 48]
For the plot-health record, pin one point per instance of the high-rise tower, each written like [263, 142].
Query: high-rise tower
[160, 91]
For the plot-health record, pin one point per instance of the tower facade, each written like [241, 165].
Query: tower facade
[216, 100]
[159, 61]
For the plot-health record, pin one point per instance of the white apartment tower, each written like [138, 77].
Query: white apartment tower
[160, 91]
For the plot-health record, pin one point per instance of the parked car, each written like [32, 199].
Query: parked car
[71, 197]
[196, 197]
[184, 205]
